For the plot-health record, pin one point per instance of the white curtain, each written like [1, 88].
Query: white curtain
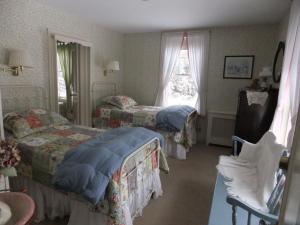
[283, 125]
[198, 48]
[170, 50]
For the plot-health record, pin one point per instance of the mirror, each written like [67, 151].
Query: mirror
[278, 62]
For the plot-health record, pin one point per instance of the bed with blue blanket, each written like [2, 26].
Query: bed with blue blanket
[85, 172]
[175, 123]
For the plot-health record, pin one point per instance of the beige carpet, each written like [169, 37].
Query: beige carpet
[188, 191]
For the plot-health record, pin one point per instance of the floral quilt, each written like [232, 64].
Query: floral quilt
[109, 116]
[41, 152]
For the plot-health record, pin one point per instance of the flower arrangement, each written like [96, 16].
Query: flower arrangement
[9, 154]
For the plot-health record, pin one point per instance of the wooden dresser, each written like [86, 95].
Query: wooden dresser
[252, 121]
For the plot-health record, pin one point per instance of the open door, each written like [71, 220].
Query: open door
[67, 79]
[69, 60]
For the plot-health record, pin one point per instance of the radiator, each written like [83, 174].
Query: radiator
[220, 128]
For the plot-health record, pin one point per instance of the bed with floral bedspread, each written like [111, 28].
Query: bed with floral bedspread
[45, 138]
[110, 116]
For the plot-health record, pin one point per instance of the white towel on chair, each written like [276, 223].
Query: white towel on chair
[252, 175]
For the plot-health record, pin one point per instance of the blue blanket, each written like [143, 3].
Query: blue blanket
[88, 168]
[173, 118]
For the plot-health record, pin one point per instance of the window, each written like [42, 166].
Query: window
[61, 84]
[181, 88]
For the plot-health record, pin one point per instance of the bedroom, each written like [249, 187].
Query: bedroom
[135, 43]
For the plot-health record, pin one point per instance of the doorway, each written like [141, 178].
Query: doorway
[67, 88]
[70, 78]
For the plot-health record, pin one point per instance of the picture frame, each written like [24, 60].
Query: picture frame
[238, 67]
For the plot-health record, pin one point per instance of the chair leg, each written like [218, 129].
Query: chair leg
[233, 215]
[249, 219]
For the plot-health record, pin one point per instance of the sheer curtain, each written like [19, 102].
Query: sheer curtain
[198, 47]
[170, 50]
[283, 125]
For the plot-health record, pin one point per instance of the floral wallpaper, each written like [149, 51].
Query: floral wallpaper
[24, 25]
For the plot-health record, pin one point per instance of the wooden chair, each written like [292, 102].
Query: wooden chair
[273, 204]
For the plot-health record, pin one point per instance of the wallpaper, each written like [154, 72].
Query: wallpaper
[142, 56]
[24, 25]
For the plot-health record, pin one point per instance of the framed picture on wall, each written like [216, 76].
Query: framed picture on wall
[238, 67]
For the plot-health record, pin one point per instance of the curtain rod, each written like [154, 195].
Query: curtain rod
[186, 31]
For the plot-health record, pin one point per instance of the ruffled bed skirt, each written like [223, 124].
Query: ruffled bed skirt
[178, 151]
[174, 149]
[54, 204]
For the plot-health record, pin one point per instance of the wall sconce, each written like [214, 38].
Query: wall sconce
[111, 67]
[18, 60]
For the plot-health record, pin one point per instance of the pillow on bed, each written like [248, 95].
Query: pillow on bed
[21, 124]
[120, 101]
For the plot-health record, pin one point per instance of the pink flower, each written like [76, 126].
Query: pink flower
[34, 121]
[9, 154]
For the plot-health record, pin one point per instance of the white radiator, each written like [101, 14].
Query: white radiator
[220, 128]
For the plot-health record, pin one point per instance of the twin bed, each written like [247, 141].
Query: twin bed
[112, 111]
[58, 166]
[45, 138]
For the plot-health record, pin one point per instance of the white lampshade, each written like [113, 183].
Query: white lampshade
[113, 66]
[265, 72]
[19, 58]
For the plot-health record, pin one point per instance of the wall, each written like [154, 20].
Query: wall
[24, 25]
[255, 40]
[283, 27]
[142, 52]
[142, 55]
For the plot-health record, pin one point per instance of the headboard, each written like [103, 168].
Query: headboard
[101, 90]
[22, 97]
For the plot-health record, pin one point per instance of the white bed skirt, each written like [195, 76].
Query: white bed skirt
[178, 151]
[175, 150]
[53, 204]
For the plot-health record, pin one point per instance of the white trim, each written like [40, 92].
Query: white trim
[53, 98]
[1, 119]
[69, 38]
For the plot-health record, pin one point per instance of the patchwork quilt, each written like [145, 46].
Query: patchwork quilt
[43, 151]
[109, 116]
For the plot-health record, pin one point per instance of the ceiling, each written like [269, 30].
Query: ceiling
[130, 16]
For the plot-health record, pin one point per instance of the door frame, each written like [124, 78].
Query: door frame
[53, 37]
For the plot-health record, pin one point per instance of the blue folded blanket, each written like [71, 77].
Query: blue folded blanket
[88, 168]
[173, 118]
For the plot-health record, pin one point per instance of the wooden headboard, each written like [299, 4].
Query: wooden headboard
[22, 97]
[101, 90]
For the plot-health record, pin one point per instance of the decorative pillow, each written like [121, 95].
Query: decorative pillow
[27, 122]
[120, 101]
[57, 119]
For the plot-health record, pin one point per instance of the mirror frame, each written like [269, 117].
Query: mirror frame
[281, 47]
